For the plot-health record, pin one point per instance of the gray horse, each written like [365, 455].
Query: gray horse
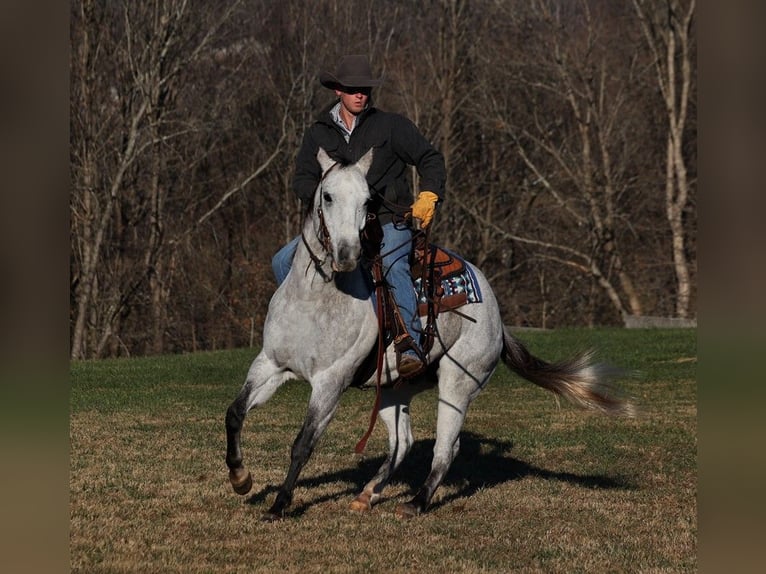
[321, 327]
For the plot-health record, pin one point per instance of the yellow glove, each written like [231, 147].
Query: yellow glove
[424, 207]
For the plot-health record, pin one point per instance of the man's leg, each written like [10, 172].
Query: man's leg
[396, 268]
[283, 260]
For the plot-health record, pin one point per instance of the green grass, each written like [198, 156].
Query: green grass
[536, 486]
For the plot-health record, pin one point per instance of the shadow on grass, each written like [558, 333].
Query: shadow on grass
[486, 462]
[481, 463]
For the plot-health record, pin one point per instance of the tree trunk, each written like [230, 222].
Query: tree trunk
[668, 24]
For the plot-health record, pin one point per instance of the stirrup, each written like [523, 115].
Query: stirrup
[410, 366]
[406, 365]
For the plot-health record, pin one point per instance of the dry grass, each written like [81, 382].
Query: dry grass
[535, 488]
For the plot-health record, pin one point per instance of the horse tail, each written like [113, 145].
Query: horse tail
[584, 384]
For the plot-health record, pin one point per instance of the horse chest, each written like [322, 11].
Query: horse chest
[306, 327]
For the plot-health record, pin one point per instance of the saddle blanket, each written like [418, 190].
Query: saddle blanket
[458, 284]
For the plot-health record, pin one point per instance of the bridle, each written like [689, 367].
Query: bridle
[323, 235]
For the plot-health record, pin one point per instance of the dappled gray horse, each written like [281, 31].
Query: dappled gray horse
[321, 327]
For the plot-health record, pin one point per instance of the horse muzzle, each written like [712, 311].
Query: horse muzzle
[346, 258]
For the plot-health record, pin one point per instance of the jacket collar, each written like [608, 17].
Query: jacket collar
[326, 118]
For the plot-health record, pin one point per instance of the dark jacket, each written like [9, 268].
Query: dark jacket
[397, 143]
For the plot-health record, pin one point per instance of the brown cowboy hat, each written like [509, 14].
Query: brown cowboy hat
[352, 72]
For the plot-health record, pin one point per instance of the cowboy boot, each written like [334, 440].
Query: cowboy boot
[409, 362]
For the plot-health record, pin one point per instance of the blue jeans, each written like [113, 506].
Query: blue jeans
[283, 260]
[396, 269]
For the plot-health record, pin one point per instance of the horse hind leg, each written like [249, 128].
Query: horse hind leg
[445, 450]
[263, 379]
[456, 392]
[395, 413]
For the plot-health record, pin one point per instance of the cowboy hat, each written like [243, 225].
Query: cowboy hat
[352, 72]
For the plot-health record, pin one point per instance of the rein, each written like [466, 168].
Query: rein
[379, 284]
[318, 263]
[377, 275]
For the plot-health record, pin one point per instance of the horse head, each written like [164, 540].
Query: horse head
[340, 207]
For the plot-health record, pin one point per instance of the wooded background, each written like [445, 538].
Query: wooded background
[569, 130]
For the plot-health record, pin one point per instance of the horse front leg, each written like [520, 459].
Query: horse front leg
[263, 379]
[322, 406]
[240, 478]
[395, 413]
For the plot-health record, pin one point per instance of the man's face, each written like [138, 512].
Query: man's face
[353, 99]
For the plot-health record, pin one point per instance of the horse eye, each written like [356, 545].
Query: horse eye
[327, 197]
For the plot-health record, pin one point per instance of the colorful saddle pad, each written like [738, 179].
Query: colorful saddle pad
[454, 282]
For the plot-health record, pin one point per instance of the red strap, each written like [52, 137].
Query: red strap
[377, 273]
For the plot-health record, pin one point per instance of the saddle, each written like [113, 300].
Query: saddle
[440, 277]
[441, 280]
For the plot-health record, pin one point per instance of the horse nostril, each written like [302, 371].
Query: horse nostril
[347, 256]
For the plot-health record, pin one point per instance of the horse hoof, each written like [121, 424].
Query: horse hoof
[406, 510]
[361, 503]
[241, 484]
[270, 517]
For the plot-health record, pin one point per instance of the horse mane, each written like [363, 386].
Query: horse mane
[342, 162]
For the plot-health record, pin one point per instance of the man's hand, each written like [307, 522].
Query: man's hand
[424, 207]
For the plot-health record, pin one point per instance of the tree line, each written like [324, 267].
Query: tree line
[568, 130]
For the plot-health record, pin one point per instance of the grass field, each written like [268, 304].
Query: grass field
[535, 488]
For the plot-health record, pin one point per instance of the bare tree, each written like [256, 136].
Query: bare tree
[130, 153]
[667, 26]
[186, 116]
[569, 133]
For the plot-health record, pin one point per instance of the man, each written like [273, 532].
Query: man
[346, 130]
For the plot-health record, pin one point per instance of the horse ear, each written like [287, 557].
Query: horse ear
[365, 162]
[325, 161]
